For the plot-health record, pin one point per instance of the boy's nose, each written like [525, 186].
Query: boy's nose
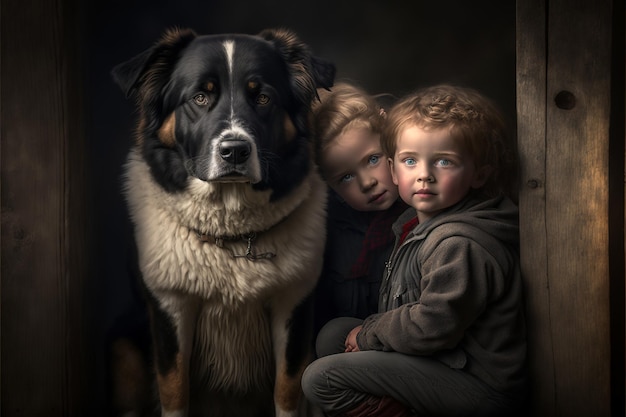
[367, 182]
[425, 178]
[422, 172]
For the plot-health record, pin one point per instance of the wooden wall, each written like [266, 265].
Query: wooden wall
[564, 98]
[46, 357]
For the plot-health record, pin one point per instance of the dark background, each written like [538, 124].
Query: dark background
[385, 46]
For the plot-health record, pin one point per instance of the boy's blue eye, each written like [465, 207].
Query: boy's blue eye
[374, 159]
[409, 162]
[443, 163]
[346, 178]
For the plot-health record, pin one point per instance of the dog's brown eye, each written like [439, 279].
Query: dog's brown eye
[201, 100]
[262, 99]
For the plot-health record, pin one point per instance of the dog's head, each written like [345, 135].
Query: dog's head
[226, 108]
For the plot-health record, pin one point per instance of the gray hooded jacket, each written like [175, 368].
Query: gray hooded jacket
[453, 291]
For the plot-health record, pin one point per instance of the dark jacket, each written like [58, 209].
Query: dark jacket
[454, 291]
[339, 292]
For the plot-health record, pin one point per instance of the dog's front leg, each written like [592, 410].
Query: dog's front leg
[292, 333]
[173, 322]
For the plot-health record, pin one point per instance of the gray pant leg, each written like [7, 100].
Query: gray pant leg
[339, 382]
[331, 338]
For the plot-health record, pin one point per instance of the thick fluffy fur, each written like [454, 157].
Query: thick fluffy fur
[229, 217]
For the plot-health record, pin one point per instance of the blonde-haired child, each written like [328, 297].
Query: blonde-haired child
[363, 201]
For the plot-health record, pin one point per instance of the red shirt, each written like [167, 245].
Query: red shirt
[408, 226]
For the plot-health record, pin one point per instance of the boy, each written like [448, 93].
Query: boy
[362, 205]
[449, 338]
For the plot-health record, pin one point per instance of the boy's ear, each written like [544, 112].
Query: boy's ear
[481, 176]
[393, 173]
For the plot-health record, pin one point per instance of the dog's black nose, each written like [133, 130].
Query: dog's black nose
[235, 151]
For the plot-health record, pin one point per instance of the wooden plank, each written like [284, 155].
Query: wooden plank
[577, 144]
[617, 211]
[563, 91]
[44, 250]
[531, 125]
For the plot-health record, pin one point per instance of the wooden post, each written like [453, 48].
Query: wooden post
[564, 109]
[45, 359]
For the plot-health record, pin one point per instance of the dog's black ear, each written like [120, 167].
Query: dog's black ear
[129, 75]
[323, 73]
[126, 74]
[307, 71]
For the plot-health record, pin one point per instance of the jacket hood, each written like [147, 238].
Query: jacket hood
[474, 216]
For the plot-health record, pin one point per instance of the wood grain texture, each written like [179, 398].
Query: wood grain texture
[579, 62]
[531, 122]
[563, 118]
[44, 250]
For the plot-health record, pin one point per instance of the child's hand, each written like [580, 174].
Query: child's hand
[351, 345]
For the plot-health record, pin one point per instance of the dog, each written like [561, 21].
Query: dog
[228, 215]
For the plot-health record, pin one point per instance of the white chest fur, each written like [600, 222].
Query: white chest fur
[234, 292]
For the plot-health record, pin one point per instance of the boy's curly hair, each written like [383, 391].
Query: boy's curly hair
[472, 120]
